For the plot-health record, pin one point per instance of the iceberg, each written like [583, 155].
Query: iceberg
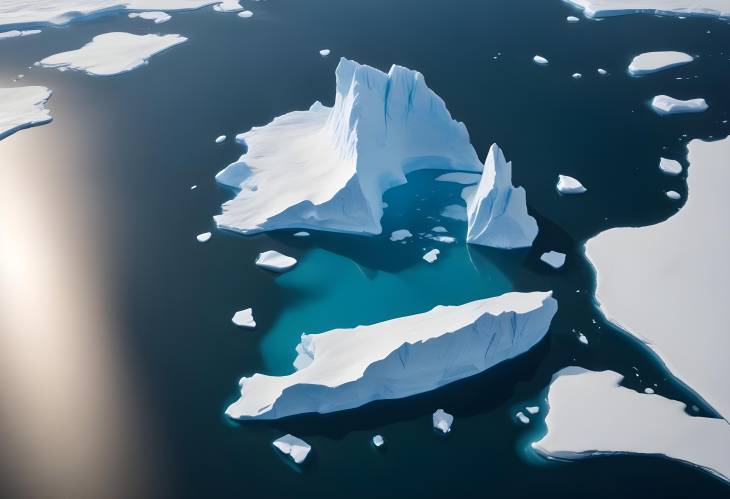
[673, 195]
[532, 409]
[602, 71]
[346, 368]
[538, 59]
[605, 8]
[220, 139]
[569, 185]
[522, 418]
[664, 104]
[442, 421]
[582, 338]
[327, 168]
[324, 52]
[497, 211]
[204, 237]
[112, 53]
[400, 235]
[378, 441]
[156, 16]
[572, 19]
[590, 414]
[651, 62]
[22, 107]
[432, 255]
[553, 258]
[459, 178]
[670, 166]
[244, 318]
[296, 448]
[273, 260]
[577, 76]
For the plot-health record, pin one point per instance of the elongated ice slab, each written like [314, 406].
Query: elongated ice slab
[590, 414]
[112, 53]
[664, 104]
[460, 178]
[651, 62]
[156, 16]
[569, 185]
[273, 260]
[605, 8]
[346, 368]
[22, 107]
[296, 448]
[327, 168]
[18, 33]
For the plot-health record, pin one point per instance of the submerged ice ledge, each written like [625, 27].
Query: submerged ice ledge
[346, 368]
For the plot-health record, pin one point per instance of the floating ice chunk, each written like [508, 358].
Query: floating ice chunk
[590, 414]
[301, 233]
[577, 76]
[193, 187]
[538, 59]
[605, 8]
[455, 212]
[220, 139]
[157, 16]
[204, 237]
[497, 211]
[346, 368]
[648, 390]
[228, 6]
[244, 318]
[22, 107]
[442, 421]
[294, 447]
[670, 166]
[460, 178]
[522, 418]
[273, 260]
[432, 255]
[400, 234]
[582, 338]
[674, 195]
[16, 33]
[324, 52]
[245, 14]
[572, 19]
[569, 185]
[327, 168]
[441, 239]
[112, 53]
[439, 229]
[663, 104]
[553, 258]
[533, 409]
[602, 72]
[378, 441]
[651, 62]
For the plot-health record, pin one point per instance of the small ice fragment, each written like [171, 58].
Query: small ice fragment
[442, 239]
[439, 229]
[324, 52]
[577, 75]
[220, 138]
[674, 195]
[533, 409]
[293, 447]
[193, 187]
[569, 185]
[670, 166]
[538, 59]
[442, 421]
[648, 390]
[205, 236]
[582, 338]
[572, 19]
[522, 418]
[245, 14]
[244, 318]
[401, 234]
[602, 72]
[378, 440]
[273, 260]
[302, 233]
[553, 258]
[431, 256]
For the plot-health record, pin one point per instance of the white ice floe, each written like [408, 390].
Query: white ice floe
[673, 195]
[582, 338]
[432, 255]
[522, 418]
[439, 229]
[400, 234]
[553, 258]
[220, 139]
[324, 52]
[569, 185]
[577, 76]
[648, 390]
[158, 17]
[602, 71]
[228, 6]
[605, 8]
[193, 187]
[572, 19]
[651, 62]
[463, 178]
[441, 239]
[301, 233]
[378, 441]
[112, 53]
[22, 107]
[273, 260]
[346, 368]
[18, 33]
[455, 212]
[497, 211]
[678, 270]
[327, 168]
[670, 166]
[442, 421]
[244, 318]
[296, 448]
[538, 59]
[204, 237]
[590, 414]
[664, 104]
[532, 409]
[245, 14]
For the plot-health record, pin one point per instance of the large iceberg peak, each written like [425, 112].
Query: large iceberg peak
[327, 168]
[497, 211]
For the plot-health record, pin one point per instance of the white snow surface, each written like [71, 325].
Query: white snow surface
[442, 421]
[22, 107]
[112, 53]
[296, 448]
[590, 414]
[497, 211]
[553, 258]
[327, 168]
[678, 270]
[346, 368]
[670, 166]
[273, 260]
[460, 178]
[158, 17]
[244, 318]
[651, 62]
[605, 8]
[664, 104]
[569, 185]
[220, 139]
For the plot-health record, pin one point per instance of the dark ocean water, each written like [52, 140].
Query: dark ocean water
[125, 150]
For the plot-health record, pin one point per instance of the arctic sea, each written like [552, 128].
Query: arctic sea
[122, 153]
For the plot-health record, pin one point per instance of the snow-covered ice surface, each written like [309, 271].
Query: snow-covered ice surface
[605, 8]
[442, 421]
[14, 33]
[244, 318]
[156, 16]
[296, 448]
[651, 62]
[497, 211]
[346, 368]
[327, 168]
[553, 258]
[670, 166]
[273, 260]
[590, 414]
[112, 53]
[460, 178]
[569, 185]
[679, 271]
[22, 107]
[432, 255]
[664, 104]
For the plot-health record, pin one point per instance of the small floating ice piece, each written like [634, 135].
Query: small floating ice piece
[16, 33]
[204, 237]
[455, 212]
[670, 166]
[577, 75]
[378, 440]
[157, 17]
[193, 187]
[602, 72]
[674, 195]
[294, 447]
[572, 19]
[442, 421]
[569, 185]
[582, 338]
[522, 418]
[463, 178]
[220, 139]
[324, 52]
[301, 233]
[533, 409]
[649, 391]
[432, 255]
[244, 318]
[664, 104]
[400, 234]
[651, 62]
[553, 258]
[439, 229]
[245, 14]
[273, 260]
[538, 59]
[442, 239]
